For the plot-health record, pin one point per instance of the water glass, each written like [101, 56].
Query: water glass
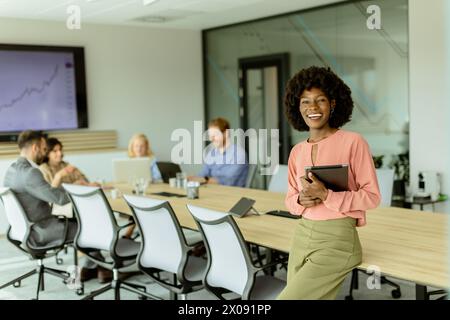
[115, 193]
[173, 182]
[181, 180]
[141, 185]
[192, 189]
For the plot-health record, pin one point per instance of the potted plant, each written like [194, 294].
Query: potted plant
[378, 161]
[400, 164]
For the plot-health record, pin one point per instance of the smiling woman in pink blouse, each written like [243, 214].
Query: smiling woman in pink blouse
[326, 246]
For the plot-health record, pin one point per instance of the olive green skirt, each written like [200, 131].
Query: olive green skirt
[321, 256]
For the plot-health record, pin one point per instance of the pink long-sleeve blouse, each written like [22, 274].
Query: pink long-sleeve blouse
[342, 147]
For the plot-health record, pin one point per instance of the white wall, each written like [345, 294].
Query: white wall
[429, 93]
[138, 79]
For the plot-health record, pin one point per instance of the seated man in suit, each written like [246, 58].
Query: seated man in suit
[36, 195]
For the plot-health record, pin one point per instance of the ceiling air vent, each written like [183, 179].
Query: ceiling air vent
[153, 19]
[166, 16]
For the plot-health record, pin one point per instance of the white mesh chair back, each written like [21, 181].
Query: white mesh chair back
[229, 267]
[15, 215]
[161, 234]
[279, 181]
[386, 183]
[96, 228]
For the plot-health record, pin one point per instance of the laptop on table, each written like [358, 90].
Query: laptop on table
[126, 170]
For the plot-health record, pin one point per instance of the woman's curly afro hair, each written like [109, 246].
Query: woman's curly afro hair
[325, 80]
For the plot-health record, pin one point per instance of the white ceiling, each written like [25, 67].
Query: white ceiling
[186, 14]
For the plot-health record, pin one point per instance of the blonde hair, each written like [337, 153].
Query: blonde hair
[133, 139]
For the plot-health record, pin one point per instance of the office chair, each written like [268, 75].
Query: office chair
[164, 247]
[279, 181]
[19, 234]
[168, 170]
[98, 232]
[230, 268]
[59, 260]
[385, 179]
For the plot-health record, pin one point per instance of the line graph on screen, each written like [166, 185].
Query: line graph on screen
[37, 91]
[31, 90]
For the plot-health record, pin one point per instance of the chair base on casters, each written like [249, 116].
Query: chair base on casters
[40, 270]
[396, 293]
[443, 293]
[116, 284]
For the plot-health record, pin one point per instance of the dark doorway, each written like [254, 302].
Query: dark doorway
[262, 81]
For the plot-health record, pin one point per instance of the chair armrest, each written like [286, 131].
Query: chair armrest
[126, 225]
[123, 215]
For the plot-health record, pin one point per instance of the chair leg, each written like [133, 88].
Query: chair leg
[42, 278]
[40, 285]
[116, 287]
[75, 256]
[139, 290]
[133, 285]
[58, 260]
[173, 295]
[40, 270]
[444, 292]
[19, 279]
[183, 296]
[97, 292]
[354, 284]
[58, 273]
[396, 293]
[259, 257]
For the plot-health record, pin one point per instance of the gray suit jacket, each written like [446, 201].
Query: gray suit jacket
[35, 194]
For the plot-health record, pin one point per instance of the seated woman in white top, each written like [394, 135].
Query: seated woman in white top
[139, 146]
[56, 171]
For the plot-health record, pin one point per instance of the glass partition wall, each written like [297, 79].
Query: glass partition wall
[373, 62]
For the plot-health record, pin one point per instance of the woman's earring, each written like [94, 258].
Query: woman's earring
[332, 111]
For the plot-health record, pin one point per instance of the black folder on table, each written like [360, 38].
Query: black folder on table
[334, 177]
[168, 194]
[283, 214]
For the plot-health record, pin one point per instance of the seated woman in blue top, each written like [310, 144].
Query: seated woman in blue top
[224, 162]
[140, 147]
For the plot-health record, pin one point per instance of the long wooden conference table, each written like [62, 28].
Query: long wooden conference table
[402, 243]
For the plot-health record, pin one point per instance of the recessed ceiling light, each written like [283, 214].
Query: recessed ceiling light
[148, 2]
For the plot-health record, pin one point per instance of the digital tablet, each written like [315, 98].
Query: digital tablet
[334, 177]
[242, 207]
